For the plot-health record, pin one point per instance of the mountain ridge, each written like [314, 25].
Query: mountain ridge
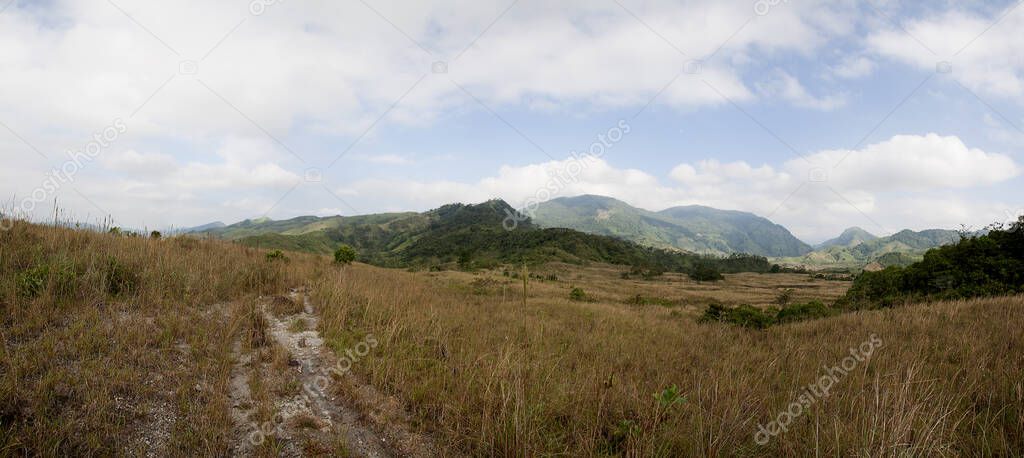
[693, 228]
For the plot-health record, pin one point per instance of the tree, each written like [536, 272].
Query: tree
[156, 235]
[344, 255]
[705, 272]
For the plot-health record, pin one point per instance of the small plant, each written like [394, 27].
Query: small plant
[669, 397]
[577, 294]
[277, 255]
[32, 282]
[344, 255]
[156, 235]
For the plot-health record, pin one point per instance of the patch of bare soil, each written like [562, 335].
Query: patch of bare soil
[315, 421]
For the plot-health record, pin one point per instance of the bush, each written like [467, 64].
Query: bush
[705, 272]
[344, 255]
[155, 235]
[753, 317]
[577, 294]
[742, 315]
[277, 255]
[800, 312]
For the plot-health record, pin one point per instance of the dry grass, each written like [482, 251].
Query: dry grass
[577, 378]
[126, 347]
[112, 345]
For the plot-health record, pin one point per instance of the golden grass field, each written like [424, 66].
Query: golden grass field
[86, 371]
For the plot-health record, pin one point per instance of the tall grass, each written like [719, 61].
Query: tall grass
[559, 377]
[112, 344]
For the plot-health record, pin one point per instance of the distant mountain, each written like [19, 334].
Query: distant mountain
[467, 235]
[203, 228]
[902, 248]
[693, 228]
[849, 238]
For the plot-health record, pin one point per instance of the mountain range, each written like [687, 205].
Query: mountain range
[467, 235]
[400, 238]
[692, 228]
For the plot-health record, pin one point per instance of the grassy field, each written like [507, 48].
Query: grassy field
[111, 345]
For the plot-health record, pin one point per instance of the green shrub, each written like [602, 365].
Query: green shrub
[277, 255]
[32, 282]
[344, 255]
[753, 317]
[705, 272]
[742, 315]
[577, 294]
[800, 312]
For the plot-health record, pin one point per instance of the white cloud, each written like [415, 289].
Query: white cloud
[853, 67]
[987, 60]
[87, 54]
[787, 87]
[908, 181]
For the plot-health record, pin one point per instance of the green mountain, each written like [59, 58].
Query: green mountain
[987, 263]
[849, 238]
[693, 228]
[902, 248]
[467, 235]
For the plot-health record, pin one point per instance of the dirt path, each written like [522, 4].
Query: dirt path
[315, 421]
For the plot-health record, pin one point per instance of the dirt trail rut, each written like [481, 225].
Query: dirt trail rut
[368, 425]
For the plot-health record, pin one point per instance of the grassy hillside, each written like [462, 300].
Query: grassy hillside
[613, 376]
[694, 228]
[113, 345]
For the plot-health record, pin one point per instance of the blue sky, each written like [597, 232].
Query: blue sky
[819, 115]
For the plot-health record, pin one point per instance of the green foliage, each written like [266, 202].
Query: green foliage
[58, 276]
[752, 317]
[705, 272]
[577, 294]
[276, 255]
[156, 235]
[669, 397]
[344, 255]
[801, 312]
[32, 282]
[645, 300]
[976, 266]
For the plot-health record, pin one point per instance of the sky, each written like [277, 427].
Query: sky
[819, 115]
